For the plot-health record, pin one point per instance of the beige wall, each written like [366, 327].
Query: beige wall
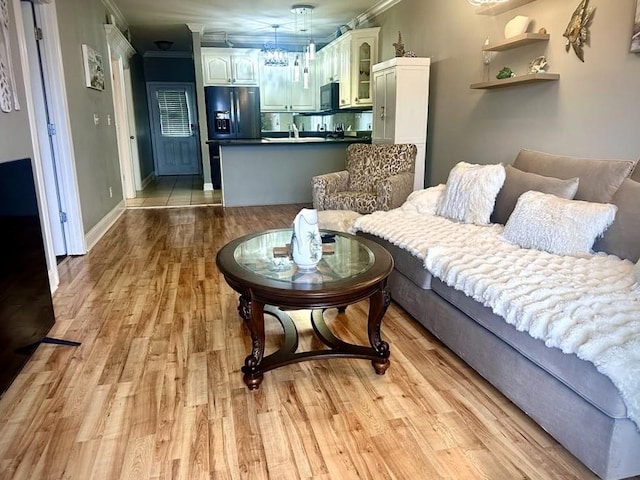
[594, 110]
[96, 150]
[15, 135]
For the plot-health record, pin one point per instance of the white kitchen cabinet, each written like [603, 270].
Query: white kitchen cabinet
[227, 66]
[401, 106]
[280, 93]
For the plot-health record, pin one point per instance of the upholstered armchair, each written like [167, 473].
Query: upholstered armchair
[378, 177]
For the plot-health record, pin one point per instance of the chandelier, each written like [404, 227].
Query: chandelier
[478, 3]
[274, 56]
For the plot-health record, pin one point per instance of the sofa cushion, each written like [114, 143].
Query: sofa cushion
[410, 266]
[556, 225]
[517, 182]
[470, 193]
[367, 164]
[599, 179]
[424, 201]
[622, 238]
[579, 375]
[362, 202]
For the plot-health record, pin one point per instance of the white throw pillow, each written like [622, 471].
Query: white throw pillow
[471, 191]
[557, 225]
[424, 201]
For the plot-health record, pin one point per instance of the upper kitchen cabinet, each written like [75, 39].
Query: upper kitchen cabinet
[348, 60]
[280, 92]
[227, 66]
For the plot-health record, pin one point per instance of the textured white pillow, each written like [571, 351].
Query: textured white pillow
[340, 220]
[424, 201]
[557, 225]
[471, 191]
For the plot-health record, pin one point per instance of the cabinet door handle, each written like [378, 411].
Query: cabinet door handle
[228, 80]
[382, 113]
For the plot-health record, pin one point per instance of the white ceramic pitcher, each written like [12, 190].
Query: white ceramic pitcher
[306, 244]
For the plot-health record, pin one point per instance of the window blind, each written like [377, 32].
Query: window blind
[174, 113]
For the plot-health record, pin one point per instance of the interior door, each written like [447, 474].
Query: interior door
[174, 133]
[45, 129]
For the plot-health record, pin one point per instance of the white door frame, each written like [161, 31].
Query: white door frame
[59, 111]
[120, 51]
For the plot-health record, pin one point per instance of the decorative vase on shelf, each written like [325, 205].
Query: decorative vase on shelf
[516, 26]
[306, 244]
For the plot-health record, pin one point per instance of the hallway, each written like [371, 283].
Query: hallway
[175, 191]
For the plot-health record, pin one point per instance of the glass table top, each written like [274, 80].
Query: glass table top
[266, 255]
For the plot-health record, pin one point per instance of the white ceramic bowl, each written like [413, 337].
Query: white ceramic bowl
[516, 26]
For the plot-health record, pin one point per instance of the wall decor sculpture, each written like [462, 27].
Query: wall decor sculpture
[8, 92]
[577, 32]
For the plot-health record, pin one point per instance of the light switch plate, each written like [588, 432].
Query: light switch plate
[96, 119]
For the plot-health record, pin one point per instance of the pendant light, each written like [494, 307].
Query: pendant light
[304, 24]
[296, 69]
[274, 56]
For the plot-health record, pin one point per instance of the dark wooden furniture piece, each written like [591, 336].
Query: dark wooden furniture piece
[354, 269]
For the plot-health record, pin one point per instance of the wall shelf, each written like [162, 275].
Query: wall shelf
[517, 41]
[519, 80]
[499, 8]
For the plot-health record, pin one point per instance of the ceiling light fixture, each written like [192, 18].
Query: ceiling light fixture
[478, 3]
[304, 24]
[163, 45]
[274, 56]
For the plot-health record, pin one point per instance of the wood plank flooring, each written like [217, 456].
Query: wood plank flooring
[155, 389]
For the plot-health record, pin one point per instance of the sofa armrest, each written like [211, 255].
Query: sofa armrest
[393, 191]
[323, 185]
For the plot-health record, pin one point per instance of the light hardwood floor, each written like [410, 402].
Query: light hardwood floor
[155, 389]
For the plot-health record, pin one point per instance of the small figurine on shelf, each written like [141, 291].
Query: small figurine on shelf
[538, 65]
[505, 72]
[399, 46]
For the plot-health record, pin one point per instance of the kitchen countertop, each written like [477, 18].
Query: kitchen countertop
[288, 141]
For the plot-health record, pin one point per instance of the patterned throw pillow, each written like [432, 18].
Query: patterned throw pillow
[556, 225]
[471, 191]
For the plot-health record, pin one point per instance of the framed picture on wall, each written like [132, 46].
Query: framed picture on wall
[635, 39]
[93, 68]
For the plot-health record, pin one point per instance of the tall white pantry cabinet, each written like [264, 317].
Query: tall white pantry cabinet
[401, 106]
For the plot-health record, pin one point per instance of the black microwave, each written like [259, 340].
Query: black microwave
[330, 96]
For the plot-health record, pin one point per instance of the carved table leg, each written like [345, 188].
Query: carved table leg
[378, 304]
[244, 307]
[255, 323]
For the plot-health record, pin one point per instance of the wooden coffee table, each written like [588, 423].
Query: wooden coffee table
[356, 269]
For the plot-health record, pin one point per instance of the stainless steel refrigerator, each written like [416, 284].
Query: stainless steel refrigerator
[233, 113]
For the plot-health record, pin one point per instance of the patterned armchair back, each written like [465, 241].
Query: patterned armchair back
[367, 164]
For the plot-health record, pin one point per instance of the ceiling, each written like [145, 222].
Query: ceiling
[244, 23]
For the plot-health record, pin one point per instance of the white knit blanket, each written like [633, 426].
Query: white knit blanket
[588, 305]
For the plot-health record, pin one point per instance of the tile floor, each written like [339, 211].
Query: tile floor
[175, 191]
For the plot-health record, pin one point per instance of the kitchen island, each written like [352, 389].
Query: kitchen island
[275, 171]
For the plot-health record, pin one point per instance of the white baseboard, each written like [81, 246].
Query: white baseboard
[98, 231]
[147, 180]
[54, 280]
[208, 187]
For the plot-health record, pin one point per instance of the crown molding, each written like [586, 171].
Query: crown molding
[115, 11]
[195, 27]
[374, 11]
[119, 43]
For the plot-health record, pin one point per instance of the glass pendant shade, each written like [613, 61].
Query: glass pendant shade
[296, 69]
[305, 78]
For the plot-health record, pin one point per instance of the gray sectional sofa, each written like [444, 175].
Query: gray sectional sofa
[566, 396]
